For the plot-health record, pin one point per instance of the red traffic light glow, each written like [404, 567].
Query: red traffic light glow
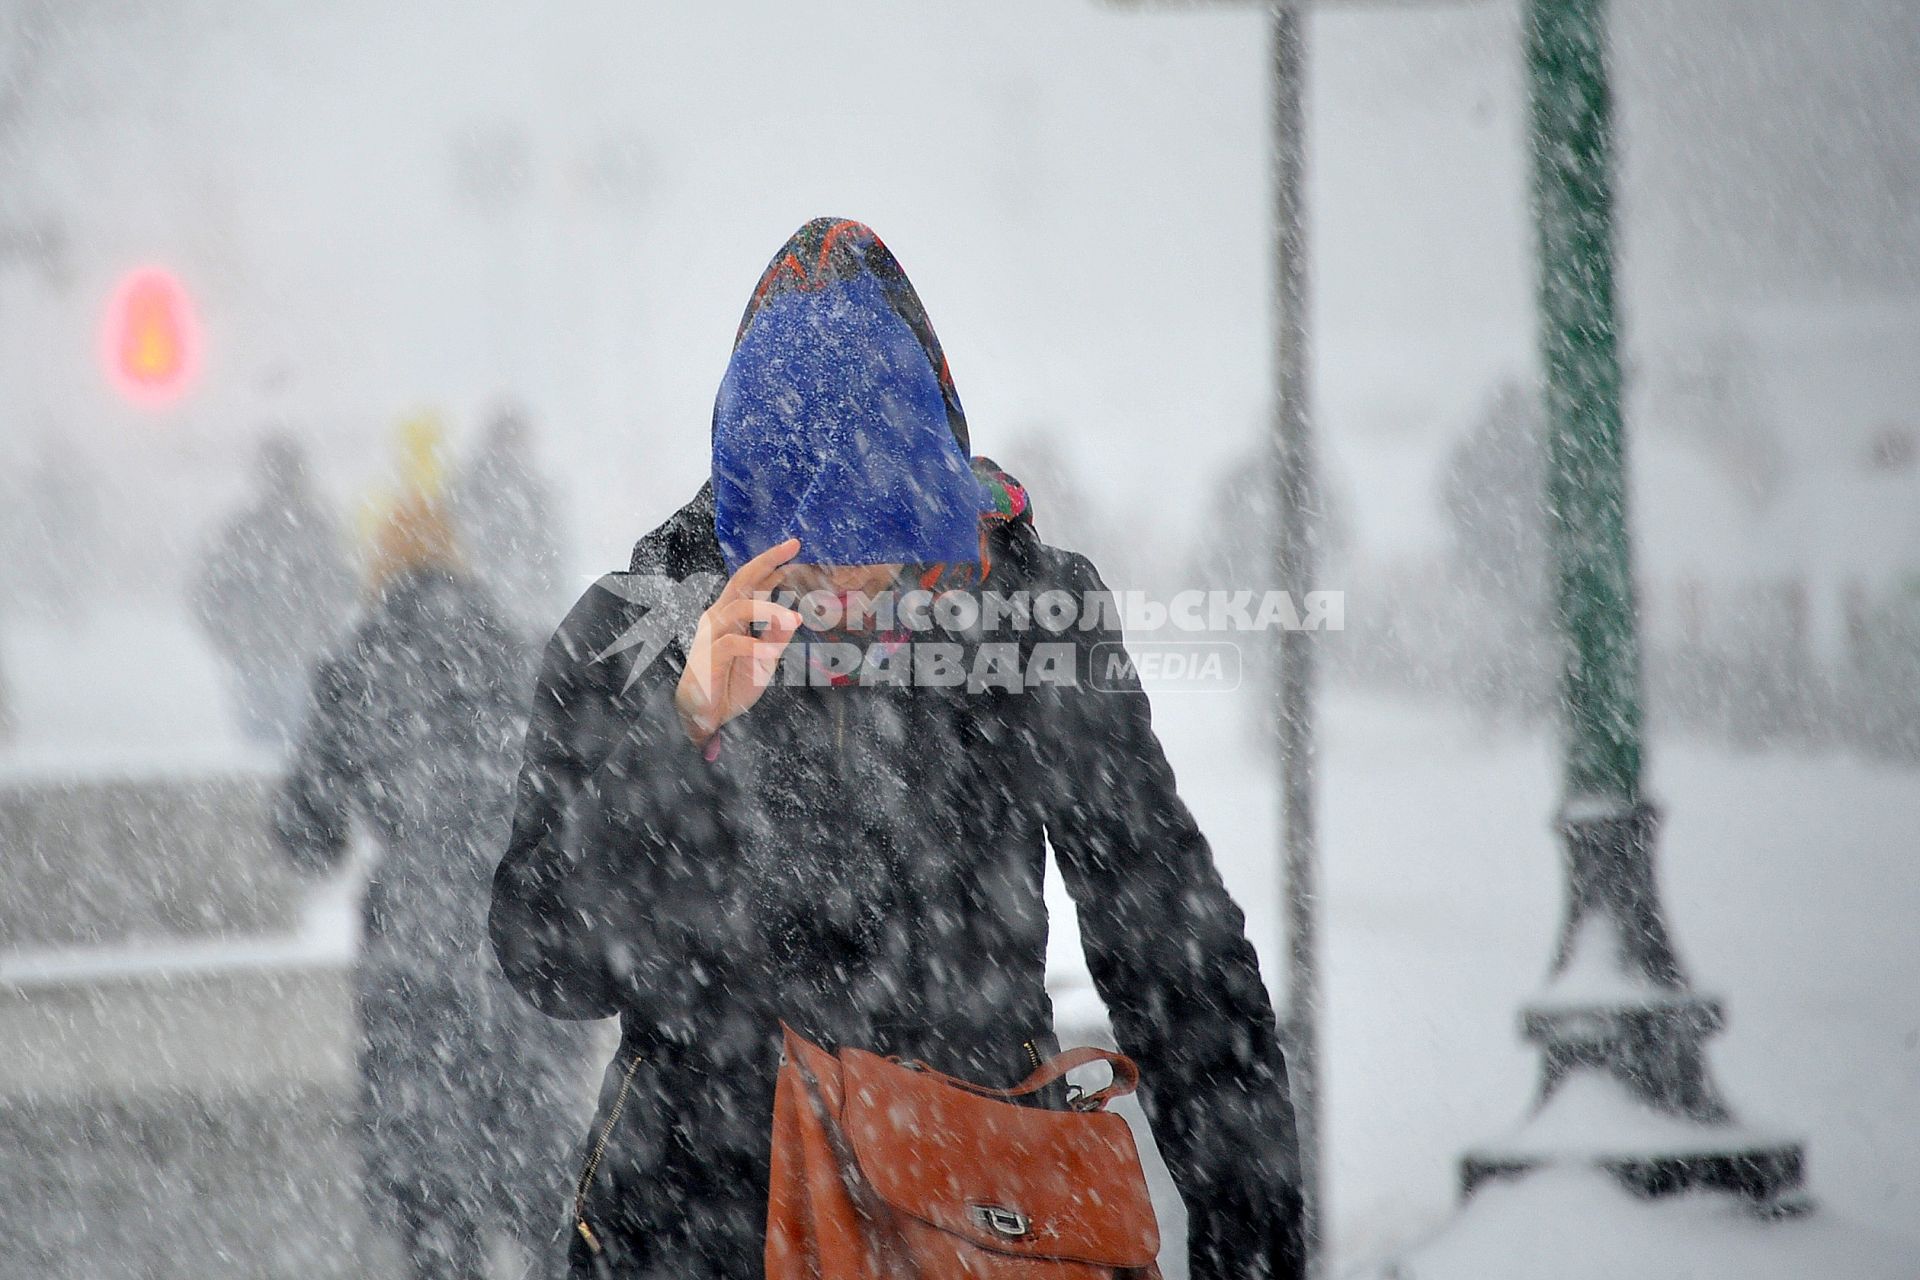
[151, 338]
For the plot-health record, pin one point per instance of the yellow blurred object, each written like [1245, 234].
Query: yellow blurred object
[421, 438]
[413, 532]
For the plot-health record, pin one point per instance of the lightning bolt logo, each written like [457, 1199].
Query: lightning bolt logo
[673, 608]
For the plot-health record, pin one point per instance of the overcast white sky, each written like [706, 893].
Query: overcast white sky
[1079, 193]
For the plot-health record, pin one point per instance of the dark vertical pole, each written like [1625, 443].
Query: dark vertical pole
[1293, 473]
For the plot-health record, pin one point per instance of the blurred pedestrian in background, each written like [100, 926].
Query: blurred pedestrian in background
[415, 728]
[504, 514]
[272, 590]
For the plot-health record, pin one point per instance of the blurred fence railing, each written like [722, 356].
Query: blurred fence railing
[176, 1038]
[92, 862]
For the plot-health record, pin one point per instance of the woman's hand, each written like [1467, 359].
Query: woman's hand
[729, 667]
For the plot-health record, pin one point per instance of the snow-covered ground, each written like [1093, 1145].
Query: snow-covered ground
[1788, 883]
[1579, 1225]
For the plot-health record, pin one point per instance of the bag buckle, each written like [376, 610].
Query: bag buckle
[1009, 1224]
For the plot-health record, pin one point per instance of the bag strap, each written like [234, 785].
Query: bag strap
[878, 1219]
[1126, 1077]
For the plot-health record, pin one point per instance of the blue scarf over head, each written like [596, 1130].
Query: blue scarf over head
[837, 422]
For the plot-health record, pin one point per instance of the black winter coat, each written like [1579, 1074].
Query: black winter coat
[866, 863]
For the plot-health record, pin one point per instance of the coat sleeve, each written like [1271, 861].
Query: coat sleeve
[1168, 952]
[312, 815]
[608, 899]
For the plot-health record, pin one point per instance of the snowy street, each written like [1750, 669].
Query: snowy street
[1442, 901]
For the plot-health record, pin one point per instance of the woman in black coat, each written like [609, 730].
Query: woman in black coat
[706, 845]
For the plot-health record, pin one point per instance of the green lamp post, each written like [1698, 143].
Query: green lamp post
[1624, 1082]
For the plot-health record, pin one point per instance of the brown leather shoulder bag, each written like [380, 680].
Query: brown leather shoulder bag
[885, 1169]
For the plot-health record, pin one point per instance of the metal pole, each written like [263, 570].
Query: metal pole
[1645, 1028]
[1586, 462]
[1293, 476]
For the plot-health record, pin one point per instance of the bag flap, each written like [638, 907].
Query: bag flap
[1018, 1180]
